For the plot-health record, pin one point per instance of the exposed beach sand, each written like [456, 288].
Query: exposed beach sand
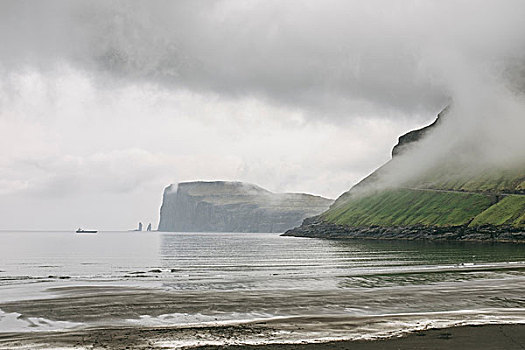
[489, 337]
[124, 318]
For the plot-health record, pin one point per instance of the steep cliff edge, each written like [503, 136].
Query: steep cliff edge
[453, 198]
[221, 206]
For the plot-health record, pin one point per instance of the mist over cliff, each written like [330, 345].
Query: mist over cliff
[221, 206]
[437, 186]
[455, 149]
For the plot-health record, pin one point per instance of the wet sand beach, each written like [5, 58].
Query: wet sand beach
[114, 318]
[492, 337]
[488, 337]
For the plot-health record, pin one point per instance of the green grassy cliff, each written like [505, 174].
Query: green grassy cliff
[452, 198]
[404, 207]
[408, 207]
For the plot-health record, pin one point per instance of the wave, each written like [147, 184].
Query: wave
[14, 322]
[325, 328]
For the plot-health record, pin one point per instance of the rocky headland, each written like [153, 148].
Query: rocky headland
[221, 206]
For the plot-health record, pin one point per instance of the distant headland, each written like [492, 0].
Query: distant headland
[222, 206]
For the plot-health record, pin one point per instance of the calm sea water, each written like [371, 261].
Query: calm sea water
[236, 277]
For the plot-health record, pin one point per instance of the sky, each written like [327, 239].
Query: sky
[105, 103]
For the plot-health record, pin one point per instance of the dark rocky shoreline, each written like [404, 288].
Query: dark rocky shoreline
[315, 227]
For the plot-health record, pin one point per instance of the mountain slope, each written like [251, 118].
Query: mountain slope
[454, 197]
[221, 206]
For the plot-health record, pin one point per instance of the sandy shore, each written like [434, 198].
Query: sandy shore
[490, 337]
[127, 318]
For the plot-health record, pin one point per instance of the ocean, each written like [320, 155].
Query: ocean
[293, 289]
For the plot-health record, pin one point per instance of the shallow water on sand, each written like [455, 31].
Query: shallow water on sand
[333, 289]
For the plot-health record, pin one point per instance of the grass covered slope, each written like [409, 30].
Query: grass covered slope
[509, 211]
[448, 195]
[431, 189]
[413, 207]
[405, 207]
[456, 177]
[480, 200]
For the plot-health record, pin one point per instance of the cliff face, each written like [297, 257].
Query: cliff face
[221, 206]
[455, 198]
[413, 136]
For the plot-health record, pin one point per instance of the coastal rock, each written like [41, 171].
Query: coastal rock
[221, 206]
[315, 227]
[413, 136]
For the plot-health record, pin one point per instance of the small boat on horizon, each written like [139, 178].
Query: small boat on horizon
[85, 231]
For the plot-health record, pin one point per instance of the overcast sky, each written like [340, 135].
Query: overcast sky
[104, 103]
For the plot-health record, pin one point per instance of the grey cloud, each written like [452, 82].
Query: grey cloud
[331, 56]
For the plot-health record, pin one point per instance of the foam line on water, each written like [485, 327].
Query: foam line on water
[284, 329]
[16, 322]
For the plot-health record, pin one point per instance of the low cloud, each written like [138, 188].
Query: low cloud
[335, 58]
